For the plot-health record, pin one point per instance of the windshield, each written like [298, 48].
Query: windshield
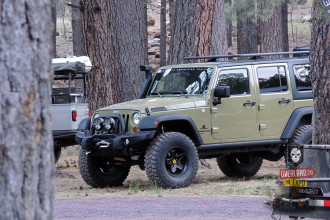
[181, 81]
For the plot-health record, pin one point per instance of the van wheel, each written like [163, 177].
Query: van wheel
[239, 165]
[171, 160]
[100, 172]
[57, 153]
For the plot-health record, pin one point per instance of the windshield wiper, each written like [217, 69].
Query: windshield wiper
[156, 93]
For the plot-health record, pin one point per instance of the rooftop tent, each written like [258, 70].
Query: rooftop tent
[77, 64]
[304, 48]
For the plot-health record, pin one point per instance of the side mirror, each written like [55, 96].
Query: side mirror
[221, 92]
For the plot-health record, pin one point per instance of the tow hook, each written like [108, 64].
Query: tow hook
[103, 144]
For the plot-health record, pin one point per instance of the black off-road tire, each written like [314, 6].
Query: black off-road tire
[98, 172]
[302, 135]
[171, 160]
[239, 165]
[57, 153]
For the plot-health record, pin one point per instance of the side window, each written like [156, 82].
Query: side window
[237, 79]
[272, 79]
[302, 77]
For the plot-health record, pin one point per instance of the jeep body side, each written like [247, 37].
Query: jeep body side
[239, 112]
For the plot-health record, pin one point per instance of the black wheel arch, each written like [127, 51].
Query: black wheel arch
[170, 122]
[84, 124]
[299, 117]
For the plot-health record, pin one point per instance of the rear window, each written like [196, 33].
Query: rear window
[302, 77]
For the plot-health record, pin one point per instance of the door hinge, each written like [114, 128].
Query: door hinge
[215, 130]
[261, 107]
[214, 110]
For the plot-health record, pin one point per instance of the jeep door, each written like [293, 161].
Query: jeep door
[236, 117]
[275, 99]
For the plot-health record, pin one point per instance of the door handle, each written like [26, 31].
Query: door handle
[284, 101]
[249, 104]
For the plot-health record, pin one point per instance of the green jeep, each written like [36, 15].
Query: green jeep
[239, 112]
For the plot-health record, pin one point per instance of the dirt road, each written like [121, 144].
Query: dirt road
[162, 208]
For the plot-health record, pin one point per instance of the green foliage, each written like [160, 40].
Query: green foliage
[156, 188]
[134, 187]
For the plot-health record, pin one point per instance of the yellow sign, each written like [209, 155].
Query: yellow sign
[295, 182]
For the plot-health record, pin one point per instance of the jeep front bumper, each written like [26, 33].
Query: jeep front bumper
[113, 141]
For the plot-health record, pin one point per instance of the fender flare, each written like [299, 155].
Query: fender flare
[84, 124]
[148, 123]
[294, 120]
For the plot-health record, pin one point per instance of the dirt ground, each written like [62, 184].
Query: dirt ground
[212, 195]
[209, 182]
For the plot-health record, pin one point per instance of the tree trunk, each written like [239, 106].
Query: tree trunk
[270, 27]
[171, 4]
[115, 36]
[193, 29]
[229, 23]
[26, 146]
[247, 34]
[219, 42]
[77, 30]
[54, 28]
[163, 33]
[285, 29]
[320, 70]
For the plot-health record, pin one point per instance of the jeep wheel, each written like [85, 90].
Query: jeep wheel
[239, 165]
[171, 160]
[302, 135]
[57, 153]
[101, 172]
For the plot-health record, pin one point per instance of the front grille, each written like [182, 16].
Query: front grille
[126, 119]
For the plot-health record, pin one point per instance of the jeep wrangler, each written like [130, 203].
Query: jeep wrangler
[238, 111]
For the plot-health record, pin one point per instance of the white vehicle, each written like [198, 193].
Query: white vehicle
[69, 100]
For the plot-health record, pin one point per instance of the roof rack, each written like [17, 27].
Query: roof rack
[252, 55]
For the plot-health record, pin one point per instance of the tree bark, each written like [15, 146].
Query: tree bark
[163, 33]
[171, 4]
[26, 146]
[54, 28]
[247, 34]
[77, 30]
[270, 27]
[115, 36]
[219, 43]
[194, 28]
[229, 23]
[285, 28]
[320, 70]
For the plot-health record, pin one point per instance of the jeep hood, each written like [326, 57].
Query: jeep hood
[156, 104]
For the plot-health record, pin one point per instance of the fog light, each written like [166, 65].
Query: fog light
[98, 123]
[109, 123]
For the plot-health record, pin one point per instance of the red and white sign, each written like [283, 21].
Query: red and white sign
[297, 173]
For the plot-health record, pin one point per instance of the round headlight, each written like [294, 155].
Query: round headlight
[136, 117]
[98, 123]
[109, 123]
